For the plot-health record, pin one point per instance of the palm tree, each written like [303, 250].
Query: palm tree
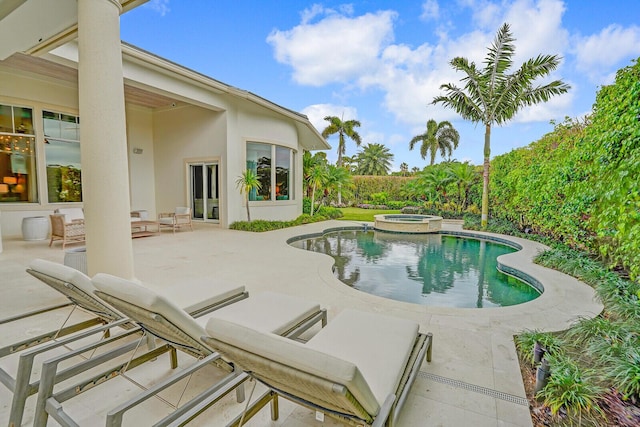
[337, 178]
[404, 169]
[248, 182]
[434, 180]
[374, 159]
[491, 96]
[342, 128]
[441, 137]
[317, 178]
[465, 176]
[308, 163]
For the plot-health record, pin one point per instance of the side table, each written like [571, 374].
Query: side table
[35, 228]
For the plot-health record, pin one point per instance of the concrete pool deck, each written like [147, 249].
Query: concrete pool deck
[474, 377]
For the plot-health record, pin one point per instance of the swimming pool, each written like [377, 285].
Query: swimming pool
[429, 269]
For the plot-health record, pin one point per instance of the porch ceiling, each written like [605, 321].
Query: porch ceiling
[37, 26]
[132, 94]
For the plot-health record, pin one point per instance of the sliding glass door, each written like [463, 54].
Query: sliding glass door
[204, 191]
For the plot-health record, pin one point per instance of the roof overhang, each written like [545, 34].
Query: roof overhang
[35, 27]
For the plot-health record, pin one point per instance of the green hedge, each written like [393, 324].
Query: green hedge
[579, 184]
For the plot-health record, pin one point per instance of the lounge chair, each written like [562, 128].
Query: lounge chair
[181, 217]
[68, 232]
[275, 313]
[77, 287]
[358, 369]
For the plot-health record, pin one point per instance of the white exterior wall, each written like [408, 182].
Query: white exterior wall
[184, 134]
[255, 126]
[40, 94]
[141, 165]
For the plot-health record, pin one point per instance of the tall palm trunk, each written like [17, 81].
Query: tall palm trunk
[485, 176]
[248, 214]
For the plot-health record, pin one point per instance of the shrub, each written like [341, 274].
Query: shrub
[525, 342]
[572, 388]
[329, 212]
[306, 205]
[379, 198]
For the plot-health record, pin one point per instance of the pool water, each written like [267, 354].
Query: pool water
[428, 269]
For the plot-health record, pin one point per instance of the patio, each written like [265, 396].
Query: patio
[474, 377]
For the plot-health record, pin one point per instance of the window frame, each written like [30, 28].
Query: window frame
[273, 150]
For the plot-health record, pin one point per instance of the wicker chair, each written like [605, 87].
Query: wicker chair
[181, 217]
[66, 231]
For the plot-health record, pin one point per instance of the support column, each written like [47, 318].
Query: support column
[105, 172]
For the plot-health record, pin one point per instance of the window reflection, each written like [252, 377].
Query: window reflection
[17, 155]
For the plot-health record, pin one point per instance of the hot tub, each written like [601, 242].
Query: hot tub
[408, 223]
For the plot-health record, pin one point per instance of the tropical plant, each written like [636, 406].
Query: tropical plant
[572, 388]
[626, 373]
[317, 178]
[337, 178]
[247, 182]
[464, 176]
[343, 129]
[442, 137]
[309, 162]
[527, 340]
[434, 181]
[374, 159]
[491, 96]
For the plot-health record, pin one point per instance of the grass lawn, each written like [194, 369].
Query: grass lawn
[357, 214]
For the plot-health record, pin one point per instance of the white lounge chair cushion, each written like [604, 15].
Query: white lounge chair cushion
[365, 352]
[275, 311]
[267, 312]
[166, 220]
[70, 214]
[143, 297]
[378, 345]
[65, 273]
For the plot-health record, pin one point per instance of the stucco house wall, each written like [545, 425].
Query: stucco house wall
[204, 120]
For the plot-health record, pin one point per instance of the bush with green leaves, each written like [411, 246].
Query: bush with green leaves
[526, 342]
[572, 388]
[561, 185]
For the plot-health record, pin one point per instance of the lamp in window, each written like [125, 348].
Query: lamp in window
[8, 185]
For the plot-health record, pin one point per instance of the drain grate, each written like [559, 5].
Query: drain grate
[475, 388]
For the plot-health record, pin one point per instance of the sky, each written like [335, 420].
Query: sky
[383, 62]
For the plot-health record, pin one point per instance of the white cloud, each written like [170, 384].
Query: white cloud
[598, 53]
[430, 10]
[332, 46]
[335, 49]
[160, 6]
[317, 112]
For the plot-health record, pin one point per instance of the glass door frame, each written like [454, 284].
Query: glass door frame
[208, 205]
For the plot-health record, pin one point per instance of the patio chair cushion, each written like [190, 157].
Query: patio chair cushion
[378, 345]
[267, 312]
[70, 214]
[65, 273]
[76, 286]
[145, 298]
[365, 352]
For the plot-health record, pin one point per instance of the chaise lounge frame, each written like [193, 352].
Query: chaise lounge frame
[68, 282]
[317, 391]
[160, 325]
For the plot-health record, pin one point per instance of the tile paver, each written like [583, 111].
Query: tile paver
[473, 349]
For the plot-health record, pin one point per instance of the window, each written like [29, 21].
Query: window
[62, 153]
[273, 166]
[17, 155]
